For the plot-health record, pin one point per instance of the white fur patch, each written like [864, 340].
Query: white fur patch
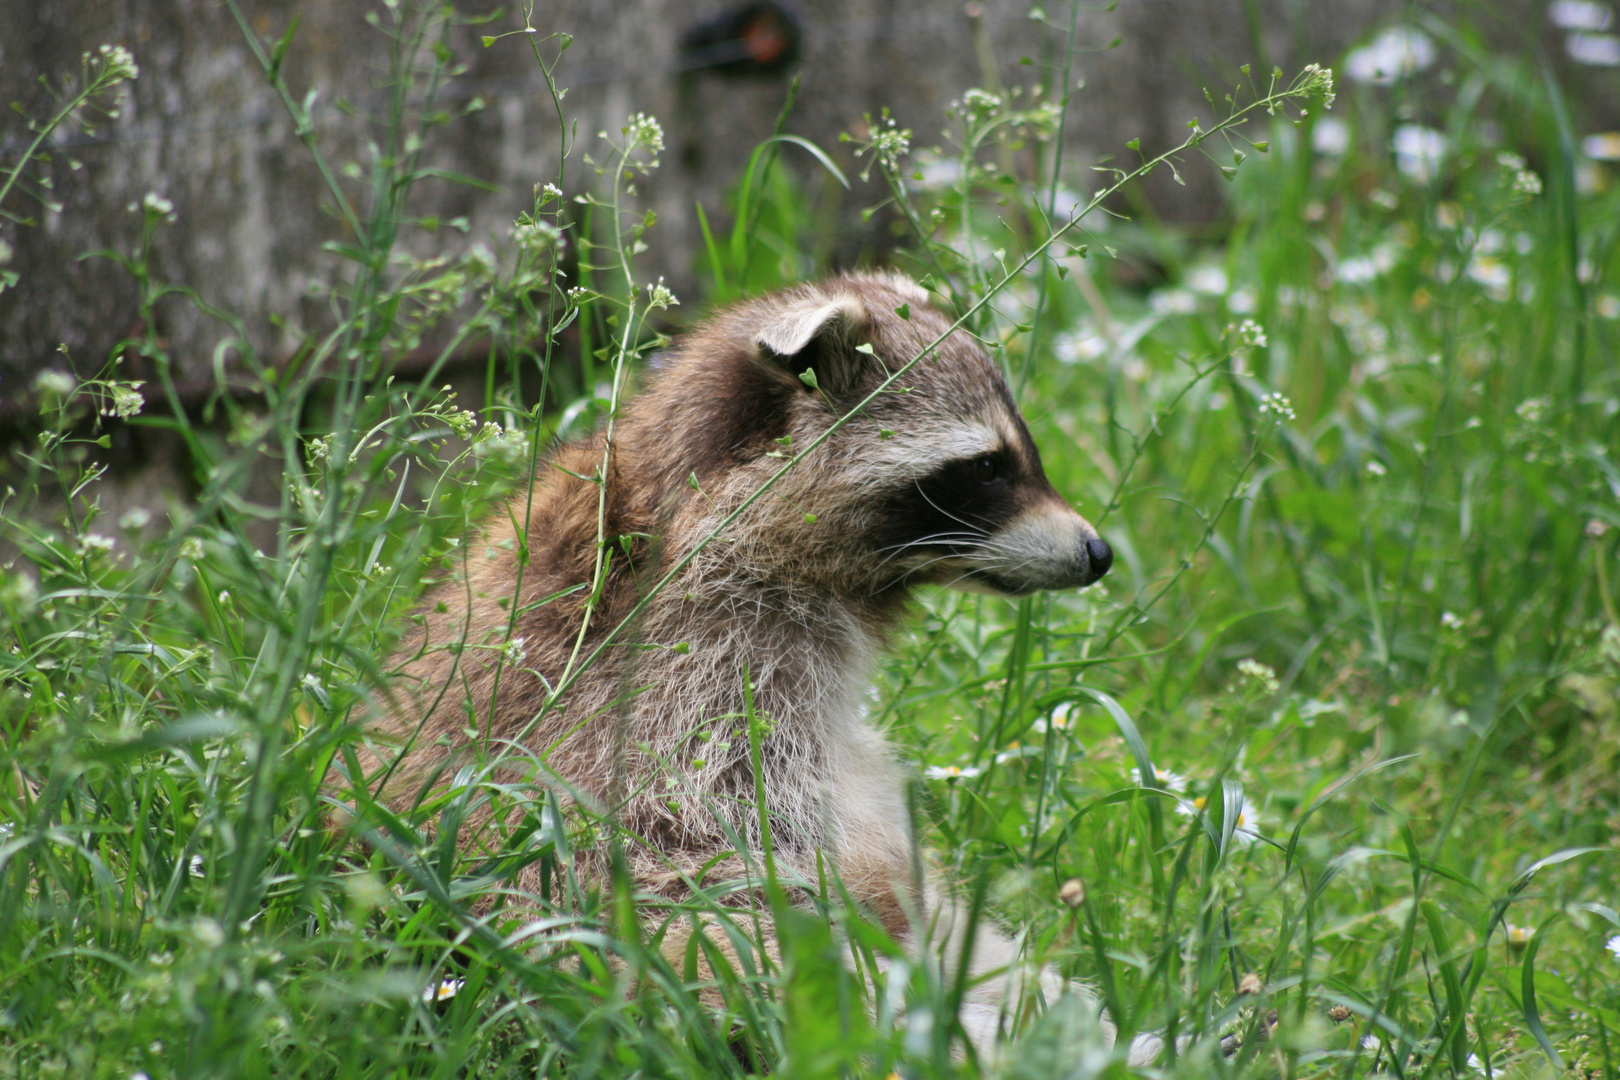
[1041, 549]
[916, 452]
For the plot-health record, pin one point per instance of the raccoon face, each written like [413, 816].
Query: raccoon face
[944, 484]
[989, 521]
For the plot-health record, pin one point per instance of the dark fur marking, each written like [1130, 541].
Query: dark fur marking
[747, 410]
[950, 502]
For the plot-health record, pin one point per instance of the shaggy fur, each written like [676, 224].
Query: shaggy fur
[937, 481]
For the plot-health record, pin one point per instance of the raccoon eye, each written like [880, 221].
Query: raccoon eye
[985, 470]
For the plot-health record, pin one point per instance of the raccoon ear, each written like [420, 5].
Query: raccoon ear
[818, 332]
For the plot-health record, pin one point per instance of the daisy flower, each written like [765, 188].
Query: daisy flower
[1015, 751]
[1248, 823]
[951, 772]
[1162, 778]
[1058, 720]
[1613, 945]
[443, 990]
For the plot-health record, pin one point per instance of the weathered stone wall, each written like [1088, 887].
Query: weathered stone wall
[201, 127]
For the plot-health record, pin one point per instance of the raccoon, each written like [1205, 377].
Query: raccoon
[936, 481]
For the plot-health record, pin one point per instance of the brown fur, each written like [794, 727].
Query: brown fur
[804, 608]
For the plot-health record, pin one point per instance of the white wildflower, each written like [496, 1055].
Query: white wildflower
[443, 990]
[1330, 137]
[208, 933]
[643, 130]
[513, 652]
[1594, 50]
[1579, 15]
[126, 401]
[117, 62]
[977, 103]
[1450, 621]
[1248, 334]
[892, 145]
[1262, 675]
[54, 383]
[1375, 467]
[659, 296]
[1613, 945]
[1247, 828]
[464, 422]
[1493, 274]
[96, 542]
[134, 519]
[1162, 778]
[156, 204]
[1173, 302]
[1208, 279]
[192, 548]
[951, 772]
[1319, 80]
[1360, 269]
[1058, 719]
[1604, 146]
[1418, 152]
[1532, 410]
[1277, 405]
[1396, 53]
[549, 192]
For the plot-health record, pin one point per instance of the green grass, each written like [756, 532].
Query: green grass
[1417, 548]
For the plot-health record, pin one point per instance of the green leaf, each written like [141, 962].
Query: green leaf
[904, 311]
[191, 729]
[1552, 860]
[1527, 991]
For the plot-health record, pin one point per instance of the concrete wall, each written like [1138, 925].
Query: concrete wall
[201, 128]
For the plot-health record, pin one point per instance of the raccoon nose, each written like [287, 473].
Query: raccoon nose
[1101, 557]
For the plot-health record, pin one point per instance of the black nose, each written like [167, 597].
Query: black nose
[1101, 555]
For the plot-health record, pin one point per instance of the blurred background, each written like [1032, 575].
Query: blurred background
[202, 129]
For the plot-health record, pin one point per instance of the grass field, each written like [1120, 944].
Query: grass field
[1359, 457]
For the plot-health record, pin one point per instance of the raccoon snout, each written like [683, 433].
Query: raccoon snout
[1099, 557]
[1050, 549]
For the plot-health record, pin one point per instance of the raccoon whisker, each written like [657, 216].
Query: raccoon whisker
[935, 538]
[921, 567]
